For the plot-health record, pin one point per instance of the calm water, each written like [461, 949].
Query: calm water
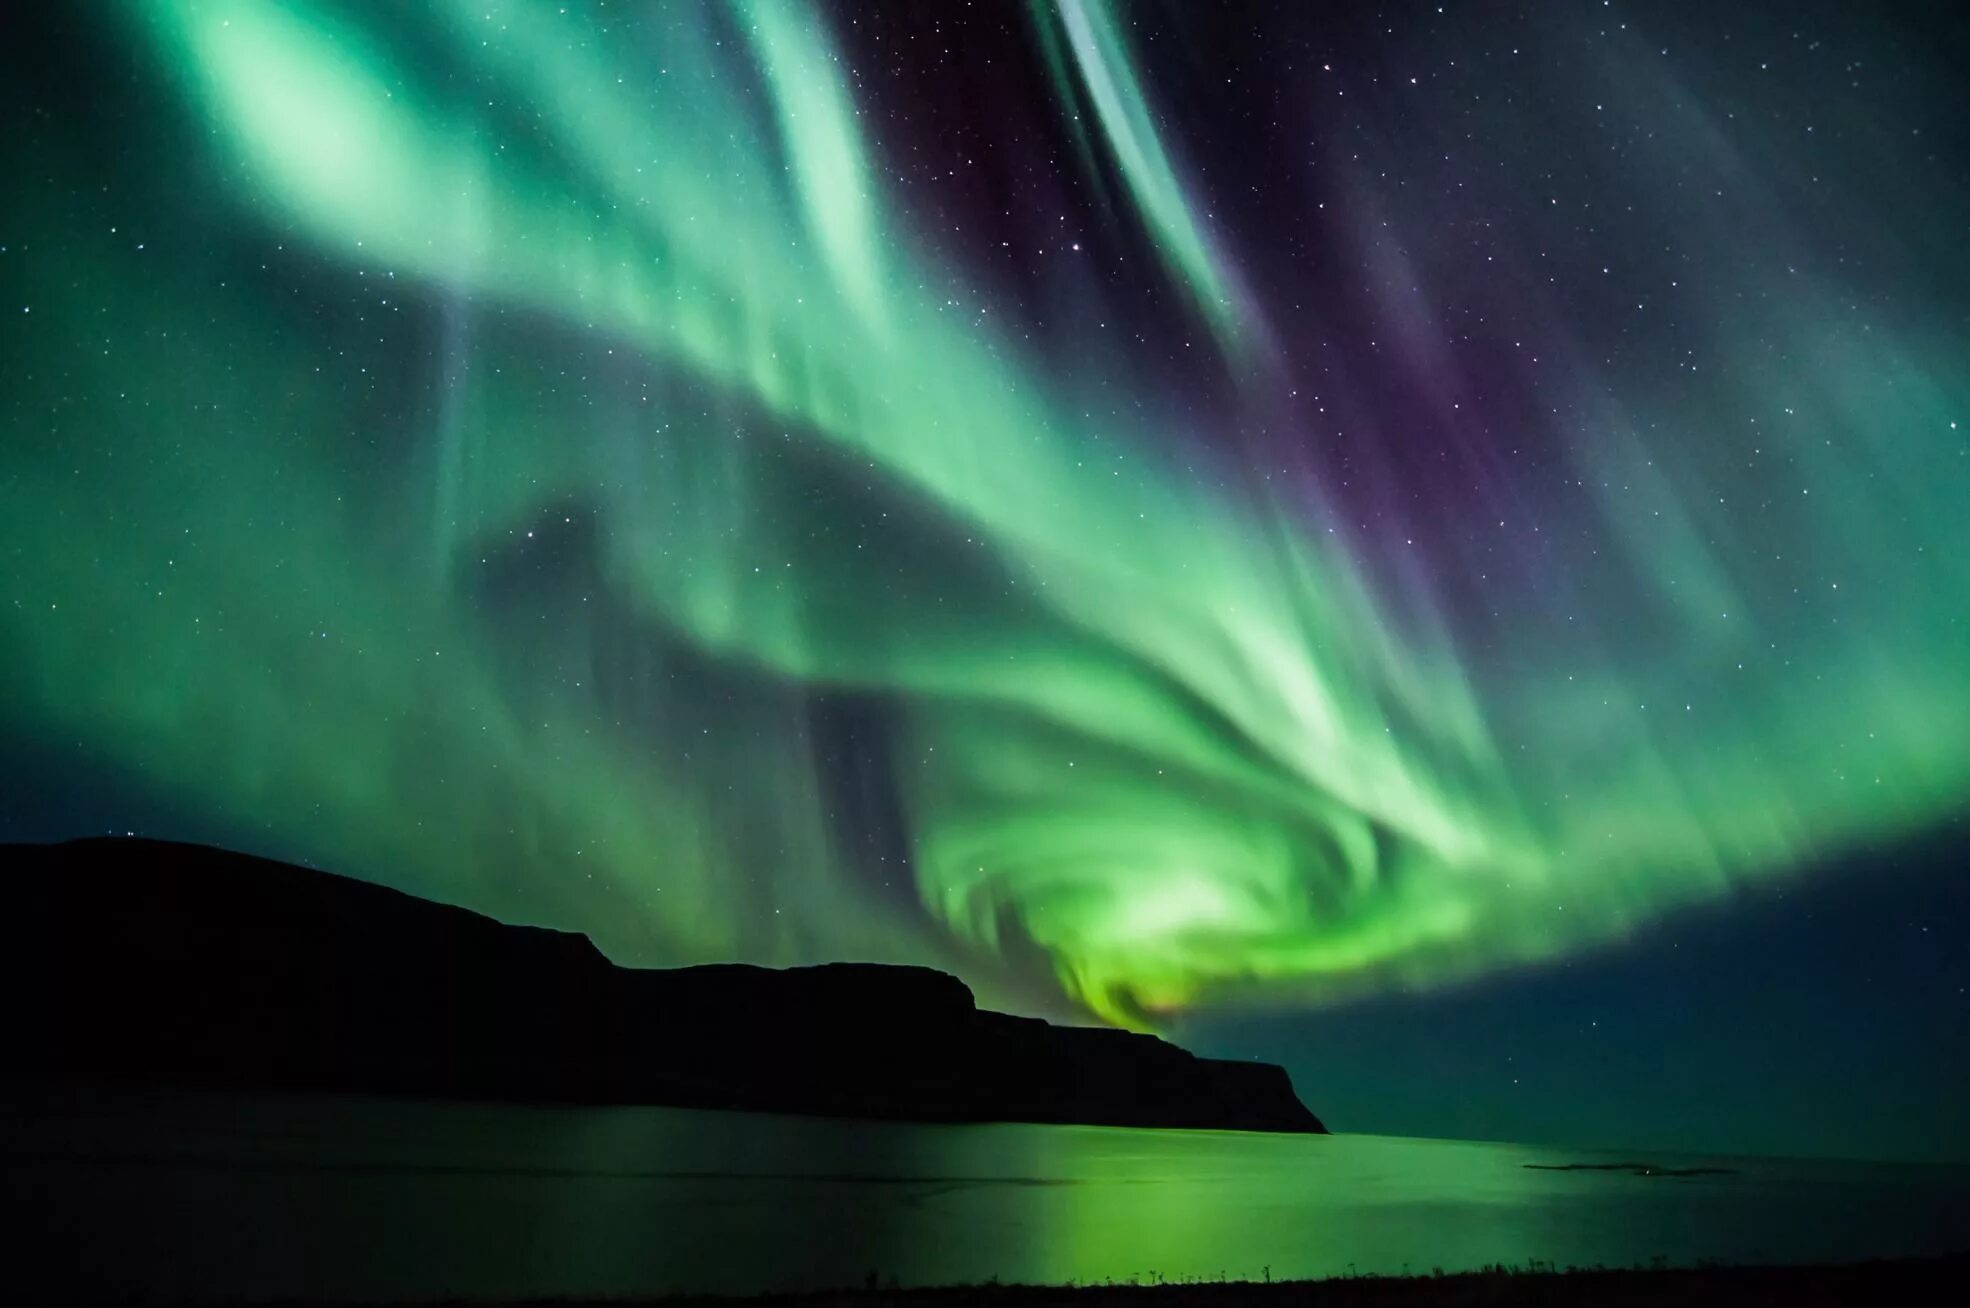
[233, 1197]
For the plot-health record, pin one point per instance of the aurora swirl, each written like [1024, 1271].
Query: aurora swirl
[580, 464]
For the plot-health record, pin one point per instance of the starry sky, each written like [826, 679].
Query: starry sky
[1429, 543]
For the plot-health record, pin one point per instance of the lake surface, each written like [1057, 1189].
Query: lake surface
[225, 1196]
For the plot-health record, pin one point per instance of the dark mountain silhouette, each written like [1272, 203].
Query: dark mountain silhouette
[140, 961]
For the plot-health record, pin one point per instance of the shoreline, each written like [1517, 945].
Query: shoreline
[1884, 1281]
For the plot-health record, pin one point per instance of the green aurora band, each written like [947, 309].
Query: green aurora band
[709, 430]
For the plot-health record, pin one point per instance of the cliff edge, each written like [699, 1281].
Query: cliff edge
[142, 961]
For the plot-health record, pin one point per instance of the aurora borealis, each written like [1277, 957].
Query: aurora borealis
[1146, 506]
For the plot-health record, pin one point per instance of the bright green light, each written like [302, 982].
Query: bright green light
[1140, 713]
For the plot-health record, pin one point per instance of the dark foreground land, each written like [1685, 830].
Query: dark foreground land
[140, 962]
[1902, 1281]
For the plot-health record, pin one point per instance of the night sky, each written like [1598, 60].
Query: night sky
[1428, 543]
